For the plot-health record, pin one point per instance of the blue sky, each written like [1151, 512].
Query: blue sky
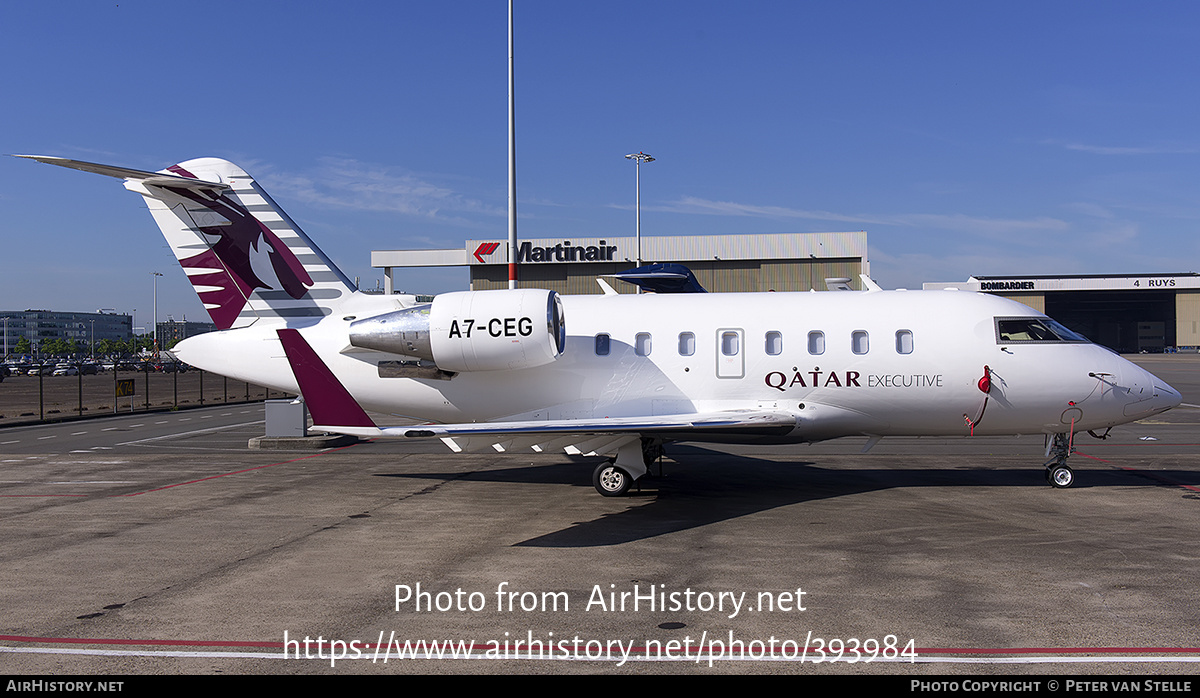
[965, 138]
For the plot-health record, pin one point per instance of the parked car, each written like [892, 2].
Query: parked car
[65, 370]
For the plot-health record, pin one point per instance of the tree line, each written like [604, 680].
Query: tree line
[73, 347]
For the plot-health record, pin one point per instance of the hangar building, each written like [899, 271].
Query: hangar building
[1126, 312]
[721, 263]
[1130, 313]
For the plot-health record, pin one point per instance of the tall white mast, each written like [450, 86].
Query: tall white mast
[512, 161]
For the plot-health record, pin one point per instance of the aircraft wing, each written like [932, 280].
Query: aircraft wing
[584, 435]
[334, 409]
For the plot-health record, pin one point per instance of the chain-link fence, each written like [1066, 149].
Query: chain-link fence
[47, 398]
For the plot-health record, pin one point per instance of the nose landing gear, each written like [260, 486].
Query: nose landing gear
[1060, 476]
[1058, 473]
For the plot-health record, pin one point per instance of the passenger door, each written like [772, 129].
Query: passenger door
[731, 353]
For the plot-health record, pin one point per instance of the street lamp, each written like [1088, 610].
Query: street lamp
[512, 159]
[638, 158]
[154, 316]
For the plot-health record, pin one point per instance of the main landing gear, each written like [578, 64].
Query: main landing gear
[1058, 473]
[613, 478]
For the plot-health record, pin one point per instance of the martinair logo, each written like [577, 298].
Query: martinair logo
[562, 252]
[485, 249]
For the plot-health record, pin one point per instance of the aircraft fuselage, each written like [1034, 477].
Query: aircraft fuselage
[843, 363]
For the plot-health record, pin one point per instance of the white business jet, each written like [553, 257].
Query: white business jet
[621, 374]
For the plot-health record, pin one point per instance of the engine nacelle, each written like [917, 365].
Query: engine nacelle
[472, 330]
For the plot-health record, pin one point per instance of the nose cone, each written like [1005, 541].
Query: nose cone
[1141, 393]
[1165, 397]
[1151, 395]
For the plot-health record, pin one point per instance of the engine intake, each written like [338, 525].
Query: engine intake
[472, 330]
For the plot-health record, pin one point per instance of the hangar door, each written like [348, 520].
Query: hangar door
[1126, 321]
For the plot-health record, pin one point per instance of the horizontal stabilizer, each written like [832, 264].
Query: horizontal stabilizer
[158, 179]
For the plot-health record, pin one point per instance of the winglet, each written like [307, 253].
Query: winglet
[328, 400]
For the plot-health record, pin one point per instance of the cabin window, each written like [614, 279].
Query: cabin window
[603, 345]
[774, 343]
[858, 341]
[1029, 330]
[816, 342]
[729, 344]
[642, 344]
[687, 344]
[904, 341]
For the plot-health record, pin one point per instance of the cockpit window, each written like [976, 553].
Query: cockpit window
[1026, 330]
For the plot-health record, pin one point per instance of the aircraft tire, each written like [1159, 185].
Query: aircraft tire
[611, 480]
[1061, 476]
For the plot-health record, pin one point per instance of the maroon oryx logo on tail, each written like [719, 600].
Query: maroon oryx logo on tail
[231, 274]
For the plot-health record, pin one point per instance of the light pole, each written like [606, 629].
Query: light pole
[638, 158]
[154, 312]
[512, 159]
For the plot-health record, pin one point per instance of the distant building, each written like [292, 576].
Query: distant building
[175, 330]
[1129, 313]
[38, 326]
[721, 263]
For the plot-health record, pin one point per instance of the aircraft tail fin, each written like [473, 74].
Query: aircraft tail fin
[244, 257]
[662, 278]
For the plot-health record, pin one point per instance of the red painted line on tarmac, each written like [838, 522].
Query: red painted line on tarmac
[235, 472]
[1061, 650]
[117, 641]
[372, 645]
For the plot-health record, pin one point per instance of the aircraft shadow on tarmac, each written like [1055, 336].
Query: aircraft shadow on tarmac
[701, 486]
